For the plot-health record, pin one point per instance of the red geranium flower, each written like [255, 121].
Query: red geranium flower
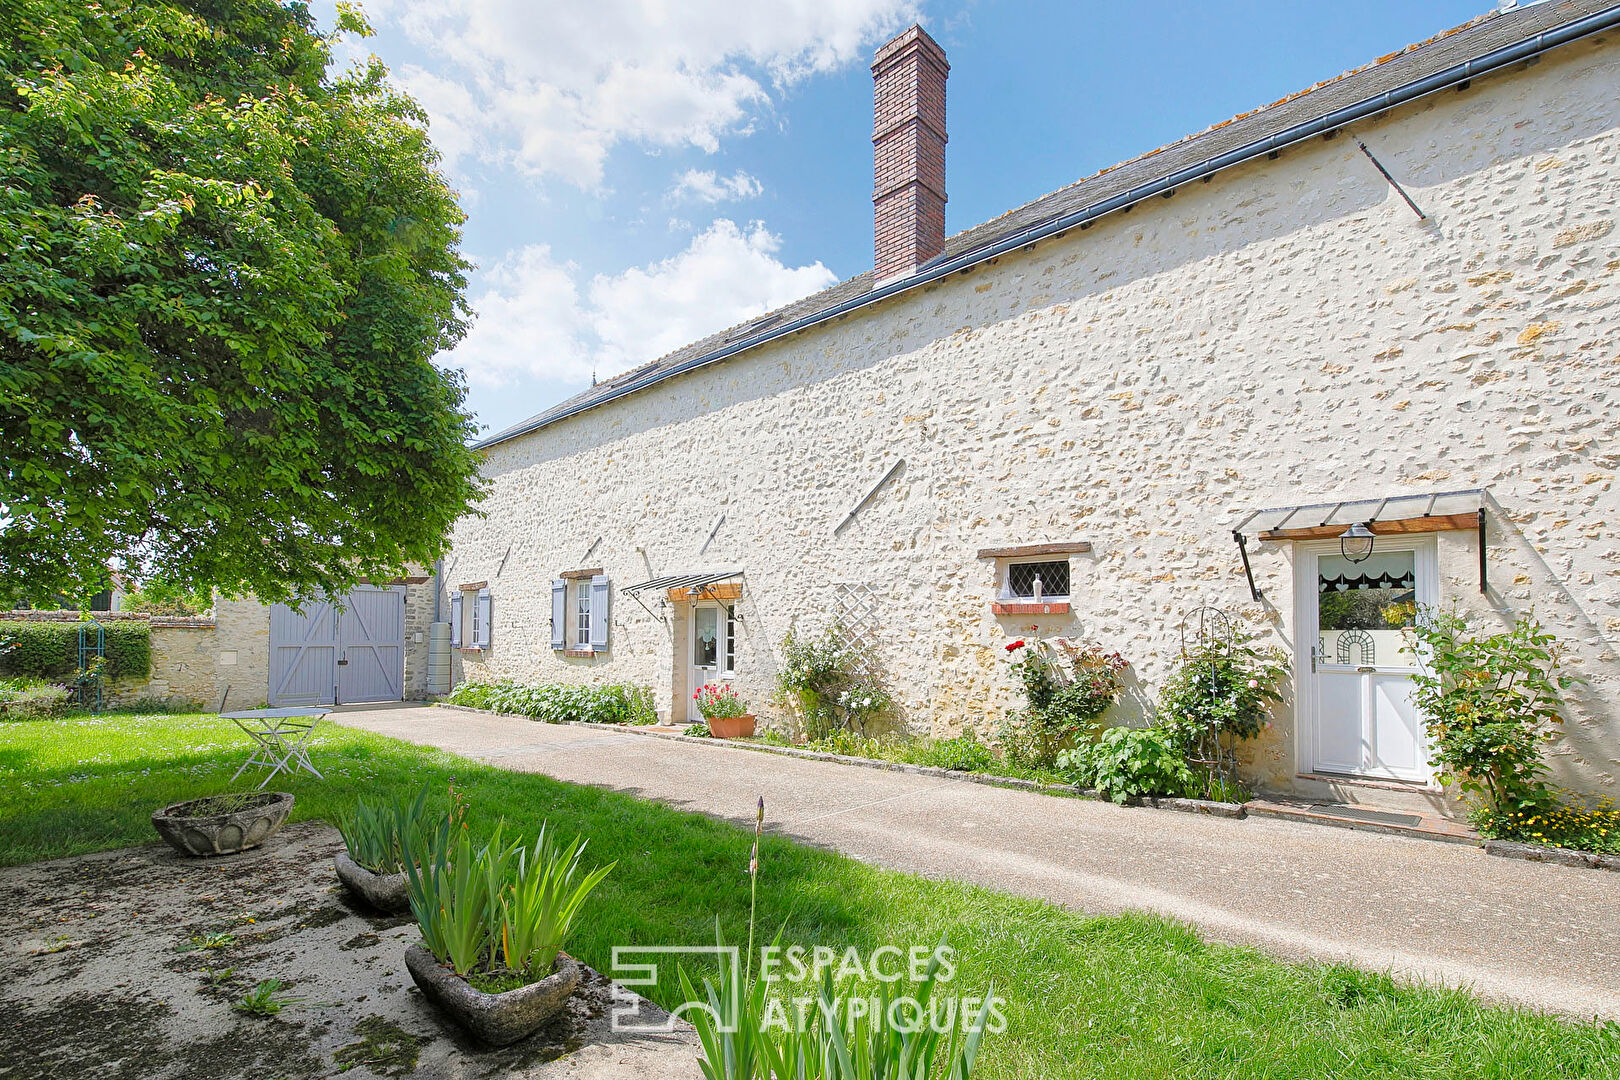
[1019, 644]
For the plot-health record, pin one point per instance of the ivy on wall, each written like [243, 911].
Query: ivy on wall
[50, 650]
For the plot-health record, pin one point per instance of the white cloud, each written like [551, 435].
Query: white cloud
[726, 275]
[530, 323]
[535, 322]
[553, 89]
[708, 186]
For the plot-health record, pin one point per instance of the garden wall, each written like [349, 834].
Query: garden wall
[193, 659]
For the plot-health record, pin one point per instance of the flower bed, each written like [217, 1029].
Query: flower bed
[555, 703]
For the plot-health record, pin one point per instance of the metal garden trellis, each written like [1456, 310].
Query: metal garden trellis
[1205, 635]
[92, 655]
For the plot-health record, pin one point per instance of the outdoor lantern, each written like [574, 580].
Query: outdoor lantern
[1356, 543]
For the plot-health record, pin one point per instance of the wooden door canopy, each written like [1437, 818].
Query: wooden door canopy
[1392, 527]
[732, 591]
[1068, 547]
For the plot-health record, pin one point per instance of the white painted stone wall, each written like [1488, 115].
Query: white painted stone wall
[1287, 333]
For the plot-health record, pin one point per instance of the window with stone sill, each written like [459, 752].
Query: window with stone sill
[470, 617]
[580, 618]
[580, 640]
[1035, 581]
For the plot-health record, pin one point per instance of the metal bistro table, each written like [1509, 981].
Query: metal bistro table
[280, 738]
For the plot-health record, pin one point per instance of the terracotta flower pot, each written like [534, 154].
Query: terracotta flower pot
[381, 892]
[732, 727]
[494, 1019]
[222, 824]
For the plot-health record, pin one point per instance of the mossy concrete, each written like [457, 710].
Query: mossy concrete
[125, 965]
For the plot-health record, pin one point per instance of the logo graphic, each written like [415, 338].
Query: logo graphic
[626, 1015]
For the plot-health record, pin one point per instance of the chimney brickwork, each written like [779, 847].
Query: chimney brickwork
[908, 153]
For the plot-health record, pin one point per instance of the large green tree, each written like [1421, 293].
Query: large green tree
[224, 272]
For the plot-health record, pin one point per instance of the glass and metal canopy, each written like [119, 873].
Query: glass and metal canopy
[1434, 511]
[1406, 513]
[682, 581]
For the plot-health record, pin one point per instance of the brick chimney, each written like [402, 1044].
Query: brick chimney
[908, 153]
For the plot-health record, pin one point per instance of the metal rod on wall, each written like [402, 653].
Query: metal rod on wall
[1482, 578]
[1248, 572]
[1379, 165]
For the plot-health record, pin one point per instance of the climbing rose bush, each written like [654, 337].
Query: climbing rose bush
[1067, 685]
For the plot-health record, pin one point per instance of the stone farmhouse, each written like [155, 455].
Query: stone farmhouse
[1391, 300]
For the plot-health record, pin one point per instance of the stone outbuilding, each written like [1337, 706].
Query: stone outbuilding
[1390, 301]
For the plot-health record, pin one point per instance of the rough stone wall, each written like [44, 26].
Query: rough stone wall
[193, 659]
[244, 630]
[1287, 333]
[185, 661]
[418, 615]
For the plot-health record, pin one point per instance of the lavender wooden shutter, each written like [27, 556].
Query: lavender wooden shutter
[483, 619]
[455, 619]
[599, 613]
[559, 614]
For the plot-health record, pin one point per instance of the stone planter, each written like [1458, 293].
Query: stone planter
[494, 1019]
[732, 727]
[222, 824]
[381, 892]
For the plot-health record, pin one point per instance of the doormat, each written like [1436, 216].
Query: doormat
[1377, 817]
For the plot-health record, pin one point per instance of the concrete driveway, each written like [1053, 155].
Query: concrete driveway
[1535, 934]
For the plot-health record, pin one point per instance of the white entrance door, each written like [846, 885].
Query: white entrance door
[713, 652]
[1358, 713]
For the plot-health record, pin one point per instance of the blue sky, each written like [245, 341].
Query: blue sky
[638, 173]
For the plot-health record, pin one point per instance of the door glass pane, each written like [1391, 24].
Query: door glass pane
[1362, 607]
[706, 642]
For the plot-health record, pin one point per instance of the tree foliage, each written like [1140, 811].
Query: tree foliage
[225, 273]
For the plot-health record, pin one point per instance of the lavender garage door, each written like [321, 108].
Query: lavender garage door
[371, 646]
[324, 656]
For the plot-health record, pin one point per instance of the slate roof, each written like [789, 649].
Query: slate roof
[1473, 39]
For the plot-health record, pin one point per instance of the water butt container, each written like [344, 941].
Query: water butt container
[438, 663]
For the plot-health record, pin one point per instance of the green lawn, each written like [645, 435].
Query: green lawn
[1132, 997]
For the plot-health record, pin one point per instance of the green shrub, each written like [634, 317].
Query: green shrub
[377, 837]
[965, 753]
[33, 699]
[1225, 687]
[50, 650]
[1489, 703]
[1567, 825]
[555, 703]
[1127, 763]
[168, 598]
[501, 911]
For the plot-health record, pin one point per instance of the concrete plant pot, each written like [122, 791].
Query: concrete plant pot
[222, 824]
[381, 892]
[494, 1019]
[732, 727]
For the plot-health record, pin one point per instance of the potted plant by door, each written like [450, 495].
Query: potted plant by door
[375, 839]
[727, 716]
[493, 921]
